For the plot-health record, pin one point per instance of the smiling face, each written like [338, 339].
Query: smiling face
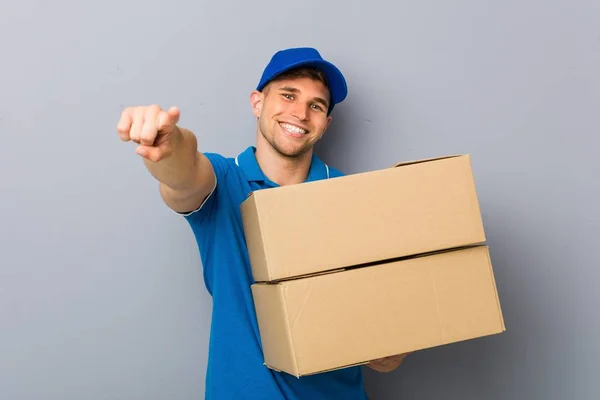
[292, 114]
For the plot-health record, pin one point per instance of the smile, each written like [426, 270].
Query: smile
[293, 129]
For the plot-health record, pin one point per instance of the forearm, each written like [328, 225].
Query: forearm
[179, 170]
[170, 154]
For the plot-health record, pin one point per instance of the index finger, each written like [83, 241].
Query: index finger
[167, 120]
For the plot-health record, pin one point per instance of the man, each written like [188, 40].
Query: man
[292, 105]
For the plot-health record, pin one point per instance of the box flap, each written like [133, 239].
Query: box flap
[401, 163]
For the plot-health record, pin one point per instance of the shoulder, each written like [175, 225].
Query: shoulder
[219, 162]
[226, 169]
[226, 178]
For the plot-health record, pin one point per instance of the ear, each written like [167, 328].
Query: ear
[329, 119]
[256, 102]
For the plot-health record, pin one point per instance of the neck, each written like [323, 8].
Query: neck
[280, 169]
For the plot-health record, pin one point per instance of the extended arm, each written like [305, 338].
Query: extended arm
[170, 154]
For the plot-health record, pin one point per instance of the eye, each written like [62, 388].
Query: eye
[317, 106]
[288, 96]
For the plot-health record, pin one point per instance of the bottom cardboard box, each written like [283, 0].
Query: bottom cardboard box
[325, 322]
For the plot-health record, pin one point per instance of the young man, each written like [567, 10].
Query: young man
[292, 105]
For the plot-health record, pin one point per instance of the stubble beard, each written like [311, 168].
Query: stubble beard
[297, 153]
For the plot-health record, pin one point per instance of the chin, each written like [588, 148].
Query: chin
[291, 151]
[286, 146]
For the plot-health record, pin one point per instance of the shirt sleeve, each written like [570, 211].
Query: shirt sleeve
[209, 205]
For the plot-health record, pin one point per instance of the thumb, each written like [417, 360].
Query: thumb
[154, 153]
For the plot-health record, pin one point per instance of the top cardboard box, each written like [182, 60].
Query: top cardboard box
[411, 208]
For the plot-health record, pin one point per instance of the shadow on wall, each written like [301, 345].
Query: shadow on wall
[336, 144]
[461, 370]
[363, 129]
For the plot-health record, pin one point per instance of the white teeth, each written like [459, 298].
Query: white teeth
[293, 129]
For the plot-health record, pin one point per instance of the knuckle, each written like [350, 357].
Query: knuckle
[122, 126]
[123, 133]
[155, 157]
[148, 133]
[153, 110]
[135, 136]
[139, 112]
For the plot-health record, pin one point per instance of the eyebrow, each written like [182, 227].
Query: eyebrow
[294, 90]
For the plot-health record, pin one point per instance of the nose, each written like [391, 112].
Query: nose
[300, 111]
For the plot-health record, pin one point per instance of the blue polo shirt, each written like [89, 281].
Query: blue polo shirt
[235, 361]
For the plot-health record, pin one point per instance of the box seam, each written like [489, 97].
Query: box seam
[289, 330]
[426, 160]
[263, 242]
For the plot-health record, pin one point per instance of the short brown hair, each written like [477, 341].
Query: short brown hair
[303, 72]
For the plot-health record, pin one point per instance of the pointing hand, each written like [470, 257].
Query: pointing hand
[153, 128]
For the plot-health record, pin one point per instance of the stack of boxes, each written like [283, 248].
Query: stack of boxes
[370, 265]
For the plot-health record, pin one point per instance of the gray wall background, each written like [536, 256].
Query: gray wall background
[101, 293]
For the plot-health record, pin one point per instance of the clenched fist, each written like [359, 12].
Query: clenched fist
[153, 128]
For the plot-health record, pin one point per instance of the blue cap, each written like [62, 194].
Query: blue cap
[284, 60]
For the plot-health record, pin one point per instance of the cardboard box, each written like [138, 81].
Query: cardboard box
[411, 208]
[335, 320]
